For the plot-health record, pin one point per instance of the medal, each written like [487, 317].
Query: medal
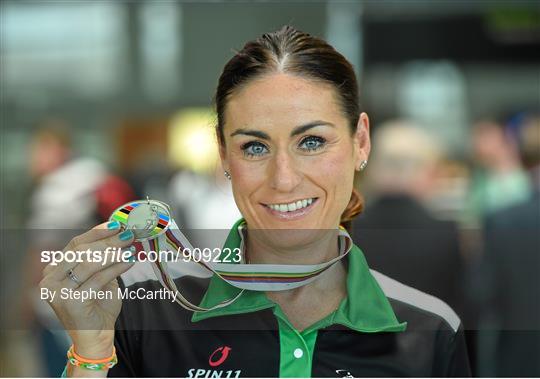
[147, 219]
[156, 231]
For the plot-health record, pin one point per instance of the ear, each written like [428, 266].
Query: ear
[362, 142]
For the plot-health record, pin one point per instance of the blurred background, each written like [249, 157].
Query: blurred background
[103, 102]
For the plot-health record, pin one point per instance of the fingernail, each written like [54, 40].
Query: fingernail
[132, 248]
[132, 259]
[126, 235]
[113, 225]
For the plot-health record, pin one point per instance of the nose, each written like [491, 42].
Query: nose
[284, 173]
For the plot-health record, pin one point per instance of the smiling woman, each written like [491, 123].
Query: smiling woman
[287, 141]
[291, 136]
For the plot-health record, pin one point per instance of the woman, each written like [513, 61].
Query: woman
[291, 137]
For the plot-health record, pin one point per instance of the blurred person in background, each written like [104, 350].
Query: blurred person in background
[71, 192]
[64, 179]
[499, 179]
[194, 197]
[399, 235]
[511, 265]
[199, 194]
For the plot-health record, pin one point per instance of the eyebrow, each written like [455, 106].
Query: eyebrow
[298, 130]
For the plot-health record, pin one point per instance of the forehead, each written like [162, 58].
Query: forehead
[282, 99]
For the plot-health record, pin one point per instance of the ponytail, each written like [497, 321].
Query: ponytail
[354, 208]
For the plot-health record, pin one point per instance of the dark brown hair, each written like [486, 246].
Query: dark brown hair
[294, 52]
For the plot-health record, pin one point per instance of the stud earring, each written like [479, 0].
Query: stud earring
[227, 175]
[363, 165]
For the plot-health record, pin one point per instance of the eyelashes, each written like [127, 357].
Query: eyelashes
[254, 149]
[308, 144]
[312, 143]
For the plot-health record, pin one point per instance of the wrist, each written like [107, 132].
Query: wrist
[93, 344]
[77, 362]
[94, 352]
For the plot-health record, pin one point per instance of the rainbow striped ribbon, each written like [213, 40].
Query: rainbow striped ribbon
[255, 277]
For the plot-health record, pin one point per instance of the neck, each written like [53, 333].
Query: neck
[320, 250]
[310, 303]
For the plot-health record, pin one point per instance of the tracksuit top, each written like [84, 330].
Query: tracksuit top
[381, 328]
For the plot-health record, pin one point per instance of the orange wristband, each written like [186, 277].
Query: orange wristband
[82, 359]
[91, 364]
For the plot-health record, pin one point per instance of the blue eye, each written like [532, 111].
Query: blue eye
[254, 149]
[312, 143]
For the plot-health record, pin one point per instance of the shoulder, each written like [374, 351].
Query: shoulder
[523, 215]
[434, 335]
[419, 309]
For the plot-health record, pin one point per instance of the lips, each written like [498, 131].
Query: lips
[291, 210]
[292, 206]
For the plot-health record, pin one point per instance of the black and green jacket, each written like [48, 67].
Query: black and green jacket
[382, 328]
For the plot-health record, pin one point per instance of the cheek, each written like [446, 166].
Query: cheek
[335, 171]
[247, 177]
[335, 175]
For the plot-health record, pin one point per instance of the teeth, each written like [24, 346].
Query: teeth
[291, 207]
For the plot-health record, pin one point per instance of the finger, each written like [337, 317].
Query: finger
[101, 278]
[119, 240]
[105, 248]
[83, 271]
[71, 280]
[98, 232]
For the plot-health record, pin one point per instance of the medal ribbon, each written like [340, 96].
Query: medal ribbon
[255, 277]
[159, 232]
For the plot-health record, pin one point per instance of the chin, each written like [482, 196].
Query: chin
[290, 238]
[284, 233]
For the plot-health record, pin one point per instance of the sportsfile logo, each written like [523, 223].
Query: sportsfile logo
[217, 358]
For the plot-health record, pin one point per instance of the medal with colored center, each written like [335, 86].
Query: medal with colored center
[146, 218]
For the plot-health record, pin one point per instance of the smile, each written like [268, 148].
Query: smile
[291, 207]
[292, 210]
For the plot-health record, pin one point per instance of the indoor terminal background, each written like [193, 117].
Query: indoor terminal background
[125, 89]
